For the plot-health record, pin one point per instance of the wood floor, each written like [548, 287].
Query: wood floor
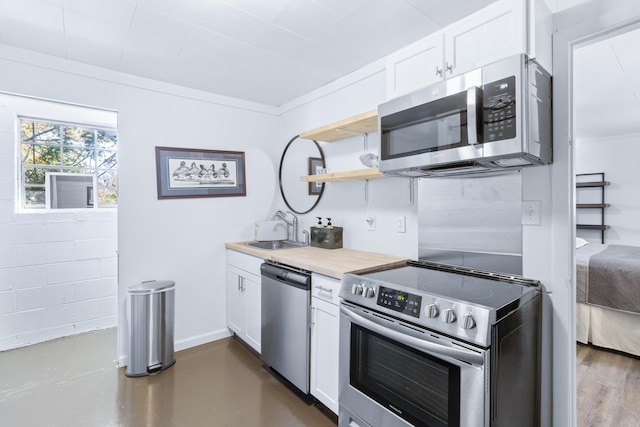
[608, 386]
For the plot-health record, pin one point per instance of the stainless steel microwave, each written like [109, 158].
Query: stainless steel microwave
[494, 117]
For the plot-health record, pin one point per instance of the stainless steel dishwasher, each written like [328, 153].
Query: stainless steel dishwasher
[285, 342]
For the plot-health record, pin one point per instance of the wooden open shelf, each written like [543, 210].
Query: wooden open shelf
[364, 123]
[353, 175]
[344, 129]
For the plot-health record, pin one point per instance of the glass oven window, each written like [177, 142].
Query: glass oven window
[416, 386]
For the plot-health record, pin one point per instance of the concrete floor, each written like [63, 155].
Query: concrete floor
[75, 381]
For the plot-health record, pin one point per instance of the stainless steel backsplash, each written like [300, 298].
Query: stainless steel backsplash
[475, 221]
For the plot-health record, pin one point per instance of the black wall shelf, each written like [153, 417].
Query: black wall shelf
[602, 183]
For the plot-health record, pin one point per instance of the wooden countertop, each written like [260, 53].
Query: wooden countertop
[329, 262]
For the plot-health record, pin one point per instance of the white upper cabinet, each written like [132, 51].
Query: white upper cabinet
[502, 29]
[493, 33]
[417, 65]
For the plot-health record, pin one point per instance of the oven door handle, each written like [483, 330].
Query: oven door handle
[432, 348]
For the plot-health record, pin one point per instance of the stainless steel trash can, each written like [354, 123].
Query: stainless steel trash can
[151, 319]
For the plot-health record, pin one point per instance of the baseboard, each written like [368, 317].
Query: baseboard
[201, 339]
[186, 343]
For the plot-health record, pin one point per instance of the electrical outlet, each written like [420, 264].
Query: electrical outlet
[371, 223]
[401, 225]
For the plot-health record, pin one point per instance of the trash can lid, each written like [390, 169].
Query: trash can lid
[151, 286]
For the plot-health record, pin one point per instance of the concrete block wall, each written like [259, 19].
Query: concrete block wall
[58, 270]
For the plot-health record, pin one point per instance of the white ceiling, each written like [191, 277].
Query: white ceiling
[607, 87]
[266, 51]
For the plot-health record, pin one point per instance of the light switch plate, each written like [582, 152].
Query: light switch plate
[531, 212]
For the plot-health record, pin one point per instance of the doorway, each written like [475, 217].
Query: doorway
[578, 24]
[606, 130]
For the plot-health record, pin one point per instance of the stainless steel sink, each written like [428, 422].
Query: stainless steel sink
[275, 244]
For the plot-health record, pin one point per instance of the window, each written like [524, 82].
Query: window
[62, 148]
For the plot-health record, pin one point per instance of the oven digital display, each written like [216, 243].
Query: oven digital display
[402, 302]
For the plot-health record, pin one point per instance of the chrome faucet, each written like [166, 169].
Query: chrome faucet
[293, 223]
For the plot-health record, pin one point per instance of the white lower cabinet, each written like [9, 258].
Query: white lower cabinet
[325, 335]
[244, 297]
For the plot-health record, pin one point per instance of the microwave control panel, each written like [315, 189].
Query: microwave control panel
[499, 109]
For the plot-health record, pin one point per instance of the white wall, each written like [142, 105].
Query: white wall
[345, 202]
[181, 240]
[616, 157]
[58, 270]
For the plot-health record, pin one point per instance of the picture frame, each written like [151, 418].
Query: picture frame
[190, 172]
[315, 166]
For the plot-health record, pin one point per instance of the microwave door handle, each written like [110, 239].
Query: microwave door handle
[434, 349]
[472, 115]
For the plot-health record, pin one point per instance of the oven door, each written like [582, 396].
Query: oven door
[395, 374]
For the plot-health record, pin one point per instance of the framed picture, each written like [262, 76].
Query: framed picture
[315, 166]
[187, 172]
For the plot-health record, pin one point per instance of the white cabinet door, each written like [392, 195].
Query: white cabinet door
[325, 335]
[253, 310]
[493, 33]
[235, 301]
[415, 66]
[244, 313]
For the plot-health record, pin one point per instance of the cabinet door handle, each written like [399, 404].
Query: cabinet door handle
[239, 283]
[242, 286]
[323, 289]
[448, 67]
[438, 71]
[313, 317]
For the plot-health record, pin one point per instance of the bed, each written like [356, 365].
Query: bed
[608, 296]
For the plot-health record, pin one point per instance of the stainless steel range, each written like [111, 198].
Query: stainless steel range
[431, 344]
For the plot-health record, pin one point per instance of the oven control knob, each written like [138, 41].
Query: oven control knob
[449, 316]
[356, 289]
[468, 322]
[369, 292]
[432, 311]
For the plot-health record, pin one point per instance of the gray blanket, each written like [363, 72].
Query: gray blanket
[609, 276]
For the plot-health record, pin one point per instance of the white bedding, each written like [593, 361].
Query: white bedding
[608, 328]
